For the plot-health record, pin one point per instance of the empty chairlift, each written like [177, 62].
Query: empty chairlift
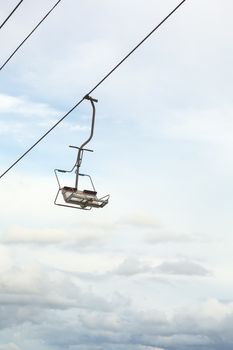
[74, 197]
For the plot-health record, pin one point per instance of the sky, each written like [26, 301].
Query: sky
[153, 269]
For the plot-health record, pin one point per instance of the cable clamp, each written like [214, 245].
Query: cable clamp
[87, 97]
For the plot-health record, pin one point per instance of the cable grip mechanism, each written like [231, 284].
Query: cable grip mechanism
[87, 97]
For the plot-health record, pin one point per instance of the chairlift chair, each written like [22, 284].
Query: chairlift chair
[74, 197]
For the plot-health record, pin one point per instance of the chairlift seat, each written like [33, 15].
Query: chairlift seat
[83, 199]
[94, 193]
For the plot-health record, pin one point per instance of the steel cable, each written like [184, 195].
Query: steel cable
[8, 17]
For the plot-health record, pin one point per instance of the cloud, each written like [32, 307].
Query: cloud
[85, 237]
[21, 118]
[37, 236]
[161, 236]
[34, 287]
[133, 266]
[9, 346]
[20, 114]
[58, 310]
[19, 105]
[139, 220]
[150, 348]
[209, 128]
[7, 128]
[6, 258]
[128, 329]
[186, 268]
[117, 347]
[154, 231]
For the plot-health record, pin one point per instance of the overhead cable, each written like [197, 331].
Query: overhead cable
[8, 17]
[94, 88]
[28, 36]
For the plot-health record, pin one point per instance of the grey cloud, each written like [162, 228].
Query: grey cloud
[186, 268]
[149, 330]
[9, 346]
[155, 233]
[113, 347]
[130, 267]
[163, 236]
[26, 302]
[117, 346]
[17, 315]
[119, 328]
[133, 266]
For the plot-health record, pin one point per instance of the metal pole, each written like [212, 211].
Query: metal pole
[80, 151]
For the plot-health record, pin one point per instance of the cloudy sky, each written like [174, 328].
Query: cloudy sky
[153, 269]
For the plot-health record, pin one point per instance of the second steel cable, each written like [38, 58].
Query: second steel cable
[9, 16]
[28, 36]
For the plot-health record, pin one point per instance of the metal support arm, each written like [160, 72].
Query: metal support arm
[81, 148]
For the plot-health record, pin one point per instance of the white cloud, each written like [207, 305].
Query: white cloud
[7, 128]
[6, 259]
[140, 220]
[84, 237]
[214, 126]
[37, 236]
[9, 346]
[21, 117]
[19, 105]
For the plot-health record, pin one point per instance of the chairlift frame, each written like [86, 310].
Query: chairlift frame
[73, 197]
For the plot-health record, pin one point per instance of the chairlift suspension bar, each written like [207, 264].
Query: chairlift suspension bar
[81, 148]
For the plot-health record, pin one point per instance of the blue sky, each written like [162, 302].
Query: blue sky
[152, 270]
